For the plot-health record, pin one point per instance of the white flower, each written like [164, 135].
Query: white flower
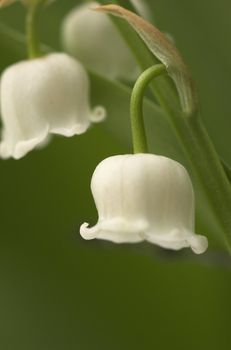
[144, 197]
[92, 38]
[42, 96]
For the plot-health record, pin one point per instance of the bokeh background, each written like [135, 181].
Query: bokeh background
[60, 292]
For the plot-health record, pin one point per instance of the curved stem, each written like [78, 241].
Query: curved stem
[136, 107]
[33, 47]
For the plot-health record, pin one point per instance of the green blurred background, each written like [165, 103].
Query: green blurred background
[60, 292]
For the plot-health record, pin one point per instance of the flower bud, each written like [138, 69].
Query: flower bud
[144, 197]
[48, 95]
[93, 39]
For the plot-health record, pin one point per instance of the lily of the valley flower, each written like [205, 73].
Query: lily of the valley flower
[92, 38]
[144, 197]
[48, 95]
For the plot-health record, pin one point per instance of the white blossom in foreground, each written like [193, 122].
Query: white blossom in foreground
[48, 95]
[144, 197]
[92, 38]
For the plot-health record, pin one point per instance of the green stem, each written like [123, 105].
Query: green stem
[136, 107]
[205, 165]
[210, 171]
[33, 46]
[226, 168]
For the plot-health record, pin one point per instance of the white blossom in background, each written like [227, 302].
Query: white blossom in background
[142, 8]
[92, 38]
[144, 197]
[43, 96]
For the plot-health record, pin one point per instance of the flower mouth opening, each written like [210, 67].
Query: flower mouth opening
[175, 239]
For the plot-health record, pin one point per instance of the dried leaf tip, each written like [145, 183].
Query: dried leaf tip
[164, 50]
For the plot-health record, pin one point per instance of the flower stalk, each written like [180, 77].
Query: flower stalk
[136, 107]
[33, 45]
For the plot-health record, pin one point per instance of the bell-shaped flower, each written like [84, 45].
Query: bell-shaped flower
[93, 39]
[43, 96]
[144, 197]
